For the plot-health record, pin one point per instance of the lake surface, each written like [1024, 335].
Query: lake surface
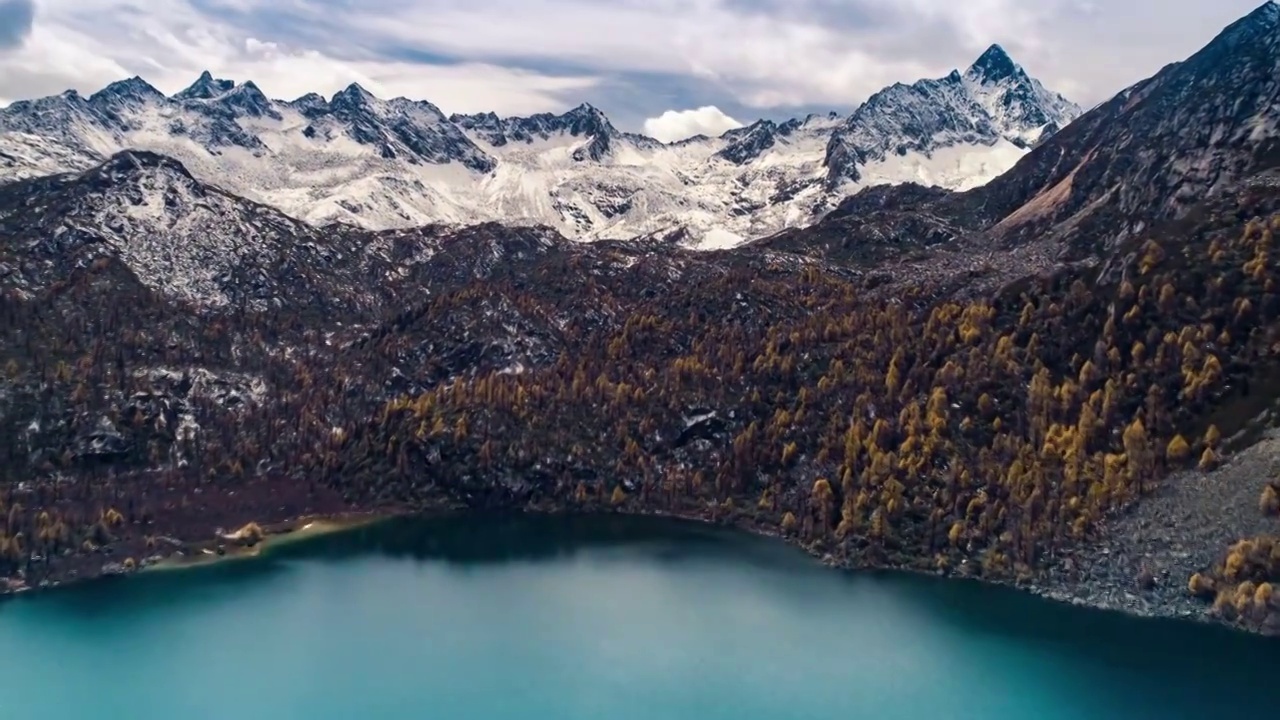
[601, 618]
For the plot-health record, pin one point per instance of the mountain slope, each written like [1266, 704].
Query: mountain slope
[180, 237]
[1198, 127]
[381, 164]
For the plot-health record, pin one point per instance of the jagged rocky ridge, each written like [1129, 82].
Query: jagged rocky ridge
[399, 163]
[860, 386]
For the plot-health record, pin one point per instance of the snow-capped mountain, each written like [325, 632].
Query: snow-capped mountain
[584, 122]
[935, 126]
[378, 164]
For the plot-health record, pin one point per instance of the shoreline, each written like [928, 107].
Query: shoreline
[1045, 588]
[306, 527]
[274, 536]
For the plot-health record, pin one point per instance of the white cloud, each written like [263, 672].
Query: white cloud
[763, 60]
[674, 125]
[753, 53]
[769, 53]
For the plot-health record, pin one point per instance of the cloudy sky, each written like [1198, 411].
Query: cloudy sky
[672, 67]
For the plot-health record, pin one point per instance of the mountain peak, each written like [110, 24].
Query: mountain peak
[995, 52]
[353, 94]
[135, 82]
[249, 99]
[250, 90]
[994, 65]
[586, 110]
[587, 119]
[1268, 11]
[205, 87]
[994, 100]
[133, 163]
[749, 142]
[1266, 16]
[134, 88]
[1256, 32]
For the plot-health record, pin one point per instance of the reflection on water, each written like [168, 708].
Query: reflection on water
[480, 539]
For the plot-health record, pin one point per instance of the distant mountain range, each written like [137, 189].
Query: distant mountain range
[379, 164]
[1202, 126]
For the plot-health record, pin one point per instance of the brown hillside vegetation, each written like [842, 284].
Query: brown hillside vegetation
[904, 431]
[907, 431]
[978, 437]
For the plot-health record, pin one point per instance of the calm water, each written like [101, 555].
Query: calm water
[601, 619]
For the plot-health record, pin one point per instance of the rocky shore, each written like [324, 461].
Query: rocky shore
[1143, 564]
[1146, 557]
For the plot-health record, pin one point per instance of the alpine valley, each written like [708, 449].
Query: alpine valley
[966, 330]
[382, 164]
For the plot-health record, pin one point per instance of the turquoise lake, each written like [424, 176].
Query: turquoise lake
[603, 618]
